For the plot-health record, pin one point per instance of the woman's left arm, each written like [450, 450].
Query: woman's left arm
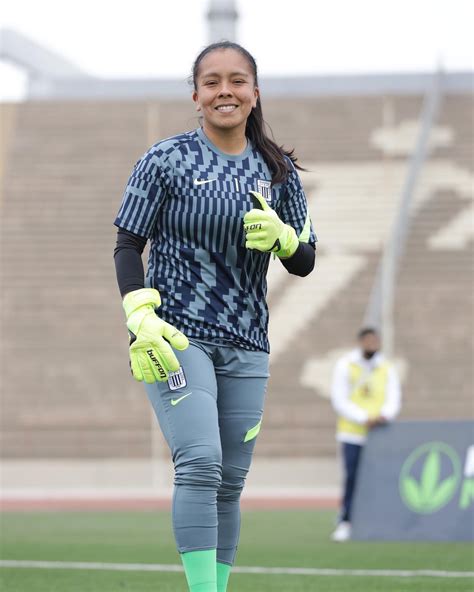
[302, 262]
[294, 212]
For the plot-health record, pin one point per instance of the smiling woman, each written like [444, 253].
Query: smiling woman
[226, 83]
[225, 95]
[215, 203]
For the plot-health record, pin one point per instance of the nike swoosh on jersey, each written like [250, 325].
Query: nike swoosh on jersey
[176, 401]
[203, 181]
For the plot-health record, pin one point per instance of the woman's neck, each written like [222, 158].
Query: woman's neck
[232, 141]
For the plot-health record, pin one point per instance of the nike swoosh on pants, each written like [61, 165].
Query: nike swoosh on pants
[176, 401]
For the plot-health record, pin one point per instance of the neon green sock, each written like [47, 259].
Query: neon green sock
[223, 573]
[200, 569]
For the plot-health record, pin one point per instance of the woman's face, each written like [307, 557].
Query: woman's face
[225, 91]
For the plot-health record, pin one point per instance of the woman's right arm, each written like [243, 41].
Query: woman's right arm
[128, 261]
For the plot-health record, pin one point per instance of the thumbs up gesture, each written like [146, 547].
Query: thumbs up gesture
[266, 232]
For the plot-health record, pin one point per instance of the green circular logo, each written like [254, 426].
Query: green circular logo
[422, 488]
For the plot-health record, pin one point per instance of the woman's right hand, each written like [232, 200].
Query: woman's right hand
[151, 339]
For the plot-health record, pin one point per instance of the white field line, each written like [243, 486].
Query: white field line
[292, 571]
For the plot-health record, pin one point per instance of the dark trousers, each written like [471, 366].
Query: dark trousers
[351, 456]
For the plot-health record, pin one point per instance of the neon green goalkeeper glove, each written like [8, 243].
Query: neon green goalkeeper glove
[151, 356]
[266, 232]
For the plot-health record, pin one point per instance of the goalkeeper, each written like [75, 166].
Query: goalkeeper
[215, 203]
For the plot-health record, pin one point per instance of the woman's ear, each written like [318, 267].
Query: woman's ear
[256, 94]
[196, 101]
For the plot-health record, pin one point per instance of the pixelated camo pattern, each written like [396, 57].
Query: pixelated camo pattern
[189, 199]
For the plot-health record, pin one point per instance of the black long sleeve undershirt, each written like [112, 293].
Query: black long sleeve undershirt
[302, 262]
[129, 265]
[128, 261]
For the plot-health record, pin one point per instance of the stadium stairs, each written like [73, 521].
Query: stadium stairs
[66, 387]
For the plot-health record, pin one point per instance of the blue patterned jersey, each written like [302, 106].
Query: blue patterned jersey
[189, 199]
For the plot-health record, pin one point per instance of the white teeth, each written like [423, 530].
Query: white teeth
[226, 108]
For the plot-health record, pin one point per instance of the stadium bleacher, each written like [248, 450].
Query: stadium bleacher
[64, 166]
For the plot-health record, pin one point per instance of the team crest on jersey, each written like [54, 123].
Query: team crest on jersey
[265, 188]
[176, 380]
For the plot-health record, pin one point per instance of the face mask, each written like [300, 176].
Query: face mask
[369, 354]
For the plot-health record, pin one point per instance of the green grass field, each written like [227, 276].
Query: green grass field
[297, 538]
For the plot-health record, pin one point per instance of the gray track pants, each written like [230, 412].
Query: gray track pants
[211, 425]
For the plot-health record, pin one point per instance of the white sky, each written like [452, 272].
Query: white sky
[153, 38]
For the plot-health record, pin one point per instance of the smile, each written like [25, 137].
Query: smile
[226, 108]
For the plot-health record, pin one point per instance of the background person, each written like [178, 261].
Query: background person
[365, 394]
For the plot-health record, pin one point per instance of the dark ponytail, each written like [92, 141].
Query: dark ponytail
[275, 156]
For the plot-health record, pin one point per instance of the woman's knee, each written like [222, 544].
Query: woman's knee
[233, 481]
[199, 465]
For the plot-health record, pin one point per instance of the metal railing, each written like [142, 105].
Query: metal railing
[380, 308]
